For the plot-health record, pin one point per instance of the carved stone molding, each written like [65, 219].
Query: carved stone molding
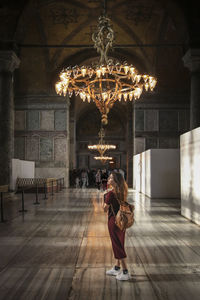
[192, 60]
[8, 61]
[41, 134]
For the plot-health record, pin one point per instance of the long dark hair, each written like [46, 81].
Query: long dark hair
[120, 186]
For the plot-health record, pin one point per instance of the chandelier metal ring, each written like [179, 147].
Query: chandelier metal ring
[101, 147]
[106, 82]
[103, 159]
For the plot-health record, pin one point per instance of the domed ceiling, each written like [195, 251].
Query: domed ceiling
[152, 35]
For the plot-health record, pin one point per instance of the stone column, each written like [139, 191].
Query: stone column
[8, 63]
[72, 142]
[129, 145]
[192, 62]
[68, 145]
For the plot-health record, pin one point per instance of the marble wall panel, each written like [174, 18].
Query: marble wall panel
[139, 120]
[20, 117]
[52, 173]
[51, 164]
[60, 149]
[168, 120]
[168, 142]
[151, 120]
[184, 121]
[82, 161]
[60, 164]
[47, 120]
[151, 143]
[32, 148]
[139, 145]
[33, 120]
[46, 149]
[19, 147]
[60, 120]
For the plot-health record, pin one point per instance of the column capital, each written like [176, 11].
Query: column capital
[8, 61]
[192, 59]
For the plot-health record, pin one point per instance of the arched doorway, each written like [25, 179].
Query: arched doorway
[86, 125]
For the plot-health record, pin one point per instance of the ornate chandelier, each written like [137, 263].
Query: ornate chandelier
[103, 159]
[105, 82]
[101, 147]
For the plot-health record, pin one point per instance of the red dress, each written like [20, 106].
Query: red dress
[117, 236]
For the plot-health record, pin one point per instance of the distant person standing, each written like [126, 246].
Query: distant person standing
[98, 179]
[84, 178]
[77, 181]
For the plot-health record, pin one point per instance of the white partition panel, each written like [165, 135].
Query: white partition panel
[157, 173]
[22, 169]
[142, 175]
[190, 175]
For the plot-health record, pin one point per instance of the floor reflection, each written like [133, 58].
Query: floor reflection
[61, 249]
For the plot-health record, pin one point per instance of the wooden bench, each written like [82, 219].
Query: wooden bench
[29, 185]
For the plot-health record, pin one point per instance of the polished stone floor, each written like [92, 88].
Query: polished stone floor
[60, 250]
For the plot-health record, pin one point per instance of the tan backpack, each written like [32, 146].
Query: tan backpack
[125, 215]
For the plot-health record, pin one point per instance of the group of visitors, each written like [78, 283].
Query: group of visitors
[82, 178]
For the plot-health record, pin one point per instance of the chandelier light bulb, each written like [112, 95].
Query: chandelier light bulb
[131, 96]
[103, 157]
[103, 70]
[98, 72]
[120, 97]
[88, 98]
[146, 86]
[83, 71]
[125, 96]
[132, 70]
[145, 77]
[126, 69]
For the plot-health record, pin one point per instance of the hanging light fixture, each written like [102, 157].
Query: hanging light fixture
[109, 80]
[101, 147]
[103, 159]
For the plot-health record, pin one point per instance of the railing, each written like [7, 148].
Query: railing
[43, 184]
[36, 185]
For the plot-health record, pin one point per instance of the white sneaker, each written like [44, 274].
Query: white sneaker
[113, 272]
[122, 276]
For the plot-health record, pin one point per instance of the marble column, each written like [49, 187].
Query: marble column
[72, 142]
[8, 63]
[192, 62]
[68, 145]
[129, 144]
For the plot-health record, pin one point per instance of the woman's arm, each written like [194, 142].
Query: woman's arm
[106, 207]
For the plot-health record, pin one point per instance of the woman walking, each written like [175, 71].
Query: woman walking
[117, 195]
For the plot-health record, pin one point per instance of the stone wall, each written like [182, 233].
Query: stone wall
[41, 135]
[159, 126]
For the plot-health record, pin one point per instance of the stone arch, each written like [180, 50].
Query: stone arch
[88, 124]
